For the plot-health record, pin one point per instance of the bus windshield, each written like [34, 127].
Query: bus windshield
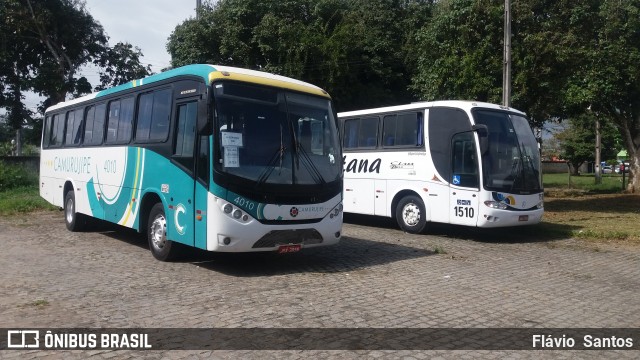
[511, 162]
[269, 136]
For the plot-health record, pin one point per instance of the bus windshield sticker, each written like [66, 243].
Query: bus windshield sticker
[456, 179]
[231, 157]
[231, 139]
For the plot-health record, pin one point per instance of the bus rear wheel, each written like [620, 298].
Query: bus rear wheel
[411, 214]
[161, 248]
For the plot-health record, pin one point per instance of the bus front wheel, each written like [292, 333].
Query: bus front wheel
[411, 214]
[161, 248]
[73, 220]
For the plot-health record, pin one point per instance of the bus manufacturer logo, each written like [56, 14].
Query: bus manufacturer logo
[464, 202]
[293, 212]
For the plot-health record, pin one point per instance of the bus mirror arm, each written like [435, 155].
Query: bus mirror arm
[483, 136]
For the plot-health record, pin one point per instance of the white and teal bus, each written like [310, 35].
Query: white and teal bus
[213, 157]
[454, 162]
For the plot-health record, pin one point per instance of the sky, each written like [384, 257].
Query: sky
[146, 24]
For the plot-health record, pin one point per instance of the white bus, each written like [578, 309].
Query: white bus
[455, 162]
[213, 157]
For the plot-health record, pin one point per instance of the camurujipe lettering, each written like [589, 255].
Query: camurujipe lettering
[73, 164]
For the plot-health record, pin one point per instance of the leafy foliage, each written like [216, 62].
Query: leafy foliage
[44, 43]
[359, 51]
[13, 176]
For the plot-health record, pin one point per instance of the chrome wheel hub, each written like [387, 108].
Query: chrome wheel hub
[158, 232]
[68, 211]
[411, 214]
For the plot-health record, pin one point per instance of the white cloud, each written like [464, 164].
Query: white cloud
[146, 24]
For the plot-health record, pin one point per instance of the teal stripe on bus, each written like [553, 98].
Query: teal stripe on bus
[200, 70]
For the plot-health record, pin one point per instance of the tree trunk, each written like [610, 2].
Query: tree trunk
[19, 142]
[574, 169]
[634, 172]
[598, 177]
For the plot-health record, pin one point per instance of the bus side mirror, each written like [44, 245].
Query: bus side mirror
[483, 136]
[204, 122]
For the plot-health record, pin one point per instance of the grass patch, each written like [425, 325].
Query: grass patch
[38, 304]
[612, 217]
[22, 200]
[439, 250]
[611, 183]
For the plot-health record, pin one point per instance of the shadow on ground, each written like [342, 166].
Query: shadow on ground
[543, 232]
[351, 254]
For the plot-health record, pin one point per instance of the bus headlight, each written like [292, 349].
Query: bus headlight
[540, 205]
[496, 205]
[234, 212]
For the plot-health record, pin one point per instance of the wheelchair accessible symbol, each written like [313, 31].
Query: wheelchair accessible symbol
[456, 179]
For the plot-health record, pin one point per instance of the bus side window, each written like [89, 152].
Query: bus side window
[153, 116]
[46, 137]
[57, 131]
[94, 125]
[351, 127]
[74, 126]
[402, 130]
[112, 122]
[120, 121]
[368, 137]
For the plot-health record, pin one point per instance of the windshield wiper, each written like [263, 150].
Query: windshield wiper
[308, 163]
[279, 154]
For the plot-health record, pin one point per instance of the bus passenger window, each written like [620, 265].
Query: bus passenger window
[402, 130]
[57, 132]
[74, 122]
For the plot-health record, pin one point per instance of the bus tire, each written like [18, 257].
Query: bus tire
[411, 214]
[73, 220]
[161, 248]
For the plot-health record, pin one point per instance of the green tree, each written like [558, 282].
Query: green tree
[461, 54]
[359, 51]
[43, 45]
[120, 64]
[570, 58]
[606, 77]
[577, 141]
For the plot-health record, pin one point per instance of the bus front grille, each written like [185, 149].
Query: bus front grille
[285, 237]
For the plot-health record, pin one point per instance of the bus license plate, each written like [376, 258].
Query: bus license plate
[286, 249]
[523, 218]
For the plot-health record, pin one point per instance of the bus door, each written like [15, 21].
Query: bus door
[465, 183]
[181, 192]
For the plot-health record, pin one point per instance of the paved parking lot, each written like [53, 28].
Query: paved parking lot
[378, 277]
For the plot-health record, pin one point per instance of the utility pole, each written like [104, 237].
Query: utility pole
[506, 70]
[598, 177]
[198, 6]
